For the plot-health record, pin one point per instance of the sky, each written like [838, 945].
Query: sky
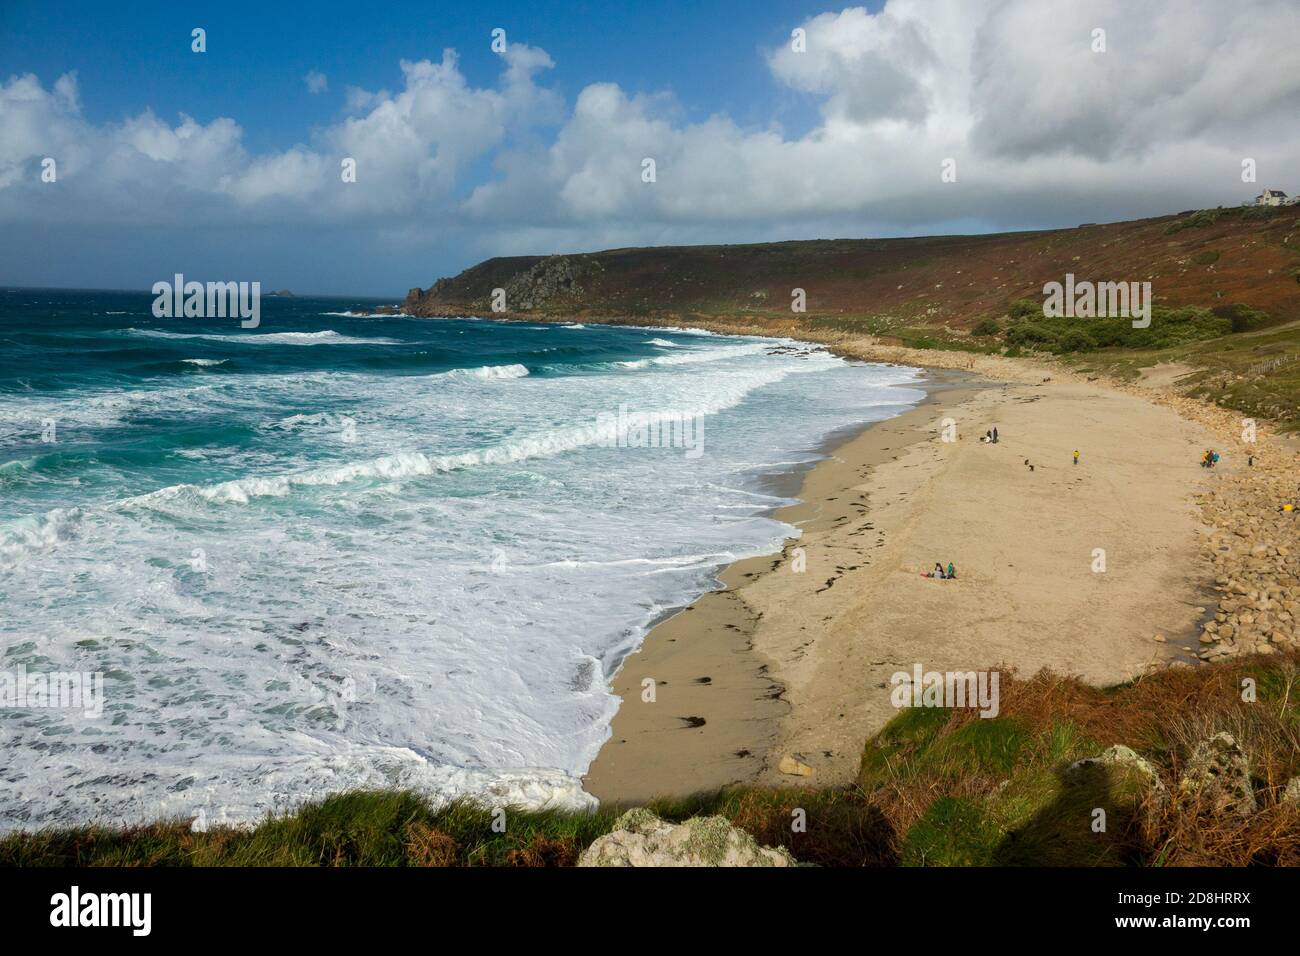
[127, 156]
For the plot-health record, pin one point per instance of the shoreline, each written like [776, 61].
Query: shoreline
[809, 684]
[717, 704]
[1207, 571]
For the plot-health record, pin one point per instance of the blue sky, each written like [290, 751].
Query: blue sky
[540, 151]
[132, 55]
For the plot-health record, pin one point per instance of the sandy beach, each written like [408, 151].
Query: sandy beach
[783, 667]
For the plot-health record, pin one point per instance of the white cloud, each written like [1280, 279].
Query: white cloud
[316, 82]
[410, 149]
[1042, 129]
[867, 67]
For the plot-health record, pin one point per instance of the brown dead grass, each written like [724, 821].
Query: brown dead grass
[1047, 721]
[428, 846]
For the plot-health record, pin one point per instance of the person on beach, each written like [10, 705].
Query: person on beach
[995, 434]
[952, 572]
[1076, 456]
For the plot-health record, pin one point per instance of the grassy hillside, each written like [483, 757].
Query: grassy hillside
[1226, 257]
[1225, 283]
[936, 788]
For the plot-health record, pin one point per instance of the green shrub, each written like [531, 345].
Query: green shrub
[1031, 334]
[1075, 340]
[987, 327]
[1169, 327]
[1242, 317]
[1024, 309]
[1197, 220]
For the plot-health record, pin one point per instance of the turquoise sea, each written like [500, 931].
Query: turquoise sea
[338, 551]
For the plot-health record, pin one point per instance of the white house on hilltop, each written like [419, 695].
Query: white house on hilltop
[1271, 197]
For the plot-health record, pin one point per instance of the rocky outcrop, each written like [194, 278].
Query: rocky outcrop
[553, 281]
[1218, 777]
[641, 838]
[1124, 762]
[530, 284]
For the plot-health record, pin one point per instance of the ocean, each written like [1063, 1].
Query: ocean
[336, 551]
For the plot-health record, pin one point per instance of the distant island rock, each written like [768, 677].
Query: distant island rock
[281, 294]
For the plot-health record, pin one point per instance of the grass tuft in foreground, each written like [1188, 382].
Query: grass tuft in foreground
[936, 787]
[962, 790]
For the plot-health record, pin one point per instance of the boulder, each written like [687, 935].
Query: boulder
[1127, 763]
[641, 838]
[1218, 775]
[796, 768]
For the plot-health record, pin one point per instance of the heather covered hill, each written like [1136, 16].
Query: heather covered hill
[1210, 258]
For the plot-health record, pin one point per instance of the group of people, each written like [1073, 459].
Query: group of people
[1210, 458]
[939, 572]
[990, 436]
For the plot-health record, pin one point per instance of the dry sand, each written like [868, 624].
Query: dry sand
[783, 664]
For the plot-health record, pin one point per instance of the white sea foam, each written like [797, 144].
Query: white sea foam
[323, 337]
[22, 536]
[716, 354]
[491, 371]
[683, 331]
[436, 603]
